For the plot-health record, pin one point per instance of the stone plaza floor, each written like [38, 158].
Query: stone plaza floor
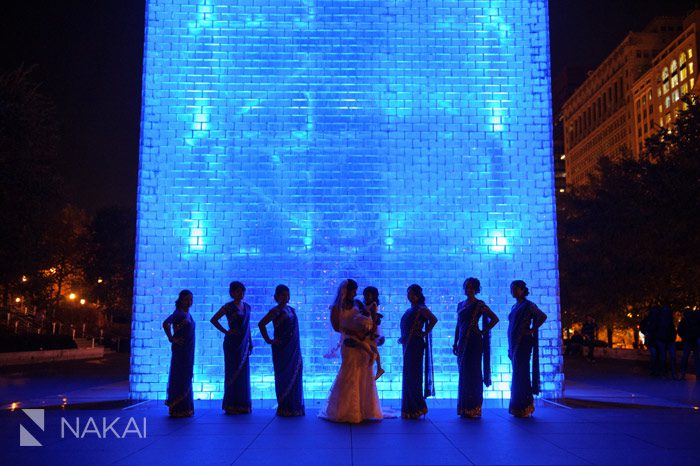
[613, 414]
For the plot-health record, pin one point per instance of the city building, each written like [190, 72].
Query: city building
[658, 93]
[563, 85]
[599, 117]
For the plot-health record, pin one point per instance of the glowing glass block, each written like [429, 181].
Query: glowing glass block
[306, 141]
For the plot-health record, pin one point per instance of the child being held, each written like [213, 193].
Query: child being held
[371, 301]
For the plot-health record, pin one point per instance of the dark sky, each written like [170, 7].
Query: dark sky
[88, 58]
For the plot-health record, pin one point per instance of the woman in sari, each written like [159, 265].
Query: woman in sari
[286, 354]
[353, 397]
[416, 325]
[179, 328]
[471, 346]
[237, 348]
[523, 321]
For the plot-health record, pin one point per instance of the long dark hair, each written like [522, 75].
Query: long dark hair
[181, 297]
[235, 286]
[418, 291]
[520, 284]
[476, 284]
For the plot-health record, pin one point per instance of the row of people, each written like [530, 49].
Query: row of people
[359, 332]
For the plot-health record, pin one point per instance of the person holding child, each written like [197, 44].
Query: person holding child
[353, 397]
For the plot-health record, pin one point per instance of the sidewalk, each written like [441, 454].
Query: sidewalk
[610, 424]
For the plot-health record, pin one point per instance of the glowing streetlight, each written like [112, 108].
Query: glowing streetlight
[99, 280]
[17, 300]
[82, 301]
[24, 278]
[72, 296]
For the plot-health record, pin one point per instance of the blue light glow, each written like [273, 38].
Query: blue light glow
[306, 141]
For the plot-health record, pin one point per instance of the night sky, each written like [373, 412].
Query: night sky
[88, 58]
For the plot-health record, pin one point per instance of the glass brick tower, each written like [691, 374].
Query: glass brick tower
[307, 141]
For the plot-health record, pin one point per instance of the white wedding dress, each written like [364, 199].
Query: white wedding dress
[354, 395]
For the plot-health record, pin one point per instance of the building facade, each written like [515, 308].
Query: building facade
[658, 94]
[599, 117]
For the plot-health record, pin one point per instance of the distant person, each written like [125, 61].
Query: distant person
[416, 326]
[286, 354]
[648, 326]
[179, 328]
[695, 329]
[524, 320]
[687, 330]
[666, 341]
[589, 331]
[473, 349]
[574, 346]
[237, 348]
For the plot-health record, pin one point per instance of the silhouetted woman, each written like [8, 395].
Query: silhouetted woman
[237, 348]
[286, 354]
[666, 341]
[524, 320]
[472, 346]
[416, 324]
[179, 328]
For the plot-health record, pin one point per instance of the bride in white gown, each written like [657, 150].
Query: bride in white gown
[354, 396]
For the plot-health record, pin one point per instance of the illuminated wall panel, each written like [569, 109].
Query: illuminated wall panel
[303, 142]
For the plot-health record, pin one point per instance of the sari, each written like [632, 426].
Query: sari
[286, 359]
[473, 348]
[180, 401]
[417, 364]
[237, 348]
[522, 345]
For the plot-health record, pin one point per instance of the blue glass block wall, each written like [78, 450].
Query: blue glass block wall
[307, 141]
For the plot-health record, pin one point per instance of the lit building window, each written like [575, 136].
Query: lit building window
[674, 67]
[658, 91]
[684, 89]
[684, 73]
[676, 96]
[674, 80]
[666, 88]
[667, 102]
[690, 53]
[649, 97]
[661, 122]
[690, 67]
[682, 60]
